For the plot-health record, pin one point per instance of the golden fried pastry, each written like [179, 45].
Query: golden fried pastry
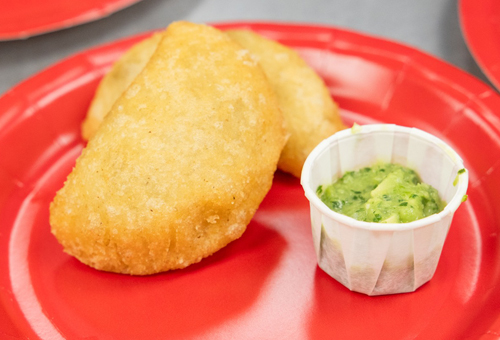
[116, 81]
[310, 113]
[180, 164]
[308, 108]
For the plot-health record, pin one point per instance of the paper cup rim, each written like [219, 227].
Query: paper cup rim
[449, 209]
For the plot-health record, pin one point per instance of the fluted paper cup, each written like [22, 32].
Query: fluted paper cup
[382, 258]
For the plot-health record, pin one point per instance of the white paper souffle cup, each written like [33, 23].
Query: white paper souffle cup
[382, 258]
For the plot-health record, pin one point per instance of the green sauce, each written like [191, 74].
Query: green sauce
[385, 193]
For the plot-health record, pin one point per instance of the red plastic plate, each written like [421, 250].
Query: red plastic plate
[267, 284]
[26, 18]
[480, 23]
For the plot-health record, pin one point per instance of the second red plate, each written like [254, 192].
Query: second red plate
[480, 23]
[23, 19]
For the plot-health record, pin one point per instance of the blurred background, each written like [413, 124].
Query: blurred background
[432, 26]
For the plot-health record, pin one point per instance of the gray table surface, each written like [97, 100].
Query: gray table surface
[429, 25]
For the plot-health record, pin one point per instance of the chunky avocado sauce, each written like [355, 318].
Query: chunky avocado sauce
[385, 193]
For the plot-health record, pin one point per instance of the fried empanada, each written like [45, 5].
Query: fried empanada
[181, 163]
[310, 113]
[309, 110]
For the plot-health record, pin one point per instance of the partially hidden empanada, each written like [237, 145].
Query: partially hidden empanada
[309, 110]
[116, 81]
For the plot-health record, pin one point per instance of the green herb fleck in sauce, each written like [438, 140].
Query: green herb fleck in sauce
[385, 193]
[459, 172]
[355, 128]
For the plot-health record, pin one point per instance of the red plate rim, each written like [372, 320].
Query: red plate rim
[469, 84]
[15, 100]
[14, 28]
